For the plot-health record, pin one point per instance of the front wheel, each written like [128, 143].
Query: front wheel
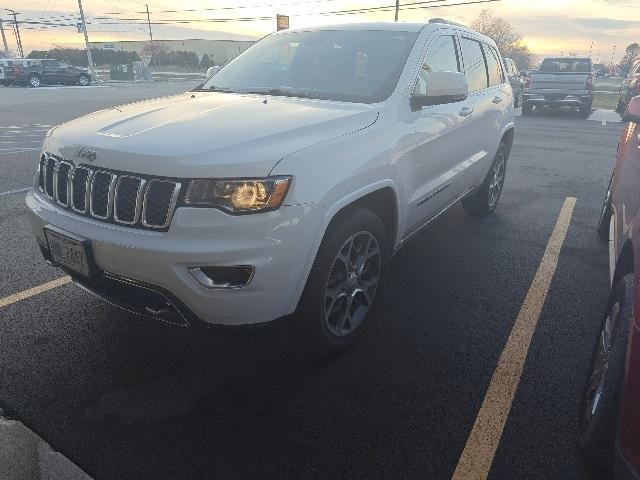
[527, 108]
[34, 81]
[83, 80]
[343, 282]
[598, 422]
[485, 200]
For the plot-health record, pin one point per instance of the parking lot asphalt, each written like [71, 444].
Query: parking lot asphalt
[125, 397]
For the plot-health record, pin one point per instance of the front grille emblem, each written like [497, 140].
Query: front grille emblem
[86, 154]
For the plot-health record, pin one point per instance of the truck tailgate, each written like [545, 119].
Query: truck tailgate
[558, 81]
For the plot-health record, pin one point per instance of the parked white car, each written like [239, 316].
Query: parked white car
[285, 183]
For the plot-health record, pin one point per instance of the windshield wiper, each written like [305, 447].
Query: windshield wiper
[279, 92]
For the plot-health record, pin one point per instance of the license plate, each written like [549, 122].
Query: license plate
[68, 252]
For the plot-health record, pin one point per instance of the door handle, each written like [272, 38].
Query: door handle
[466, 111]
[497, 99]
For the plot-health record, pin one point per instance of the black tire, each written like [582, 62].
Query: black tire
[485, 200]
[598, 422]
[585, 110]
[83, 80]
[34, 80]
[605, 214]
[312, 321]
[527, 108]
[620, 107]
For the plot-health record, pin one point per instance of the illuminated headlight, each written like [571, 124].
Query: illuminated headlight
[238, 196]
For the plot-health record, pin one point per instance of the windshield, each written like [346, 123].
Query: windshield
[351, 66]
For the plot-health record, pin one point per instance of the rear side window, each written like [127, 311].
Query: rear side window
[442, 56]
[565, 65]
[475, 68]
[496, 77]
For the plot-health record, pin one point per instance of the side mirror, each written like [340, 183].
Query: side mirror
[211, 71]
[438, 88]
[632, 113]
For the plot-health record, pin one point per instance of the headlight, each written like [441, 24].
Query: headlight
[238, 196]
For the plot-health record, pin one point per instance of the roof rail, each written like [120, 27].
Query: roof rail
[446, 22]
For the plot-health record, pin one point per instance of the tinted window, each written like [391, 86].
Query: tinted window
[442, 56]
[475, 68]
[353, 66]
[494, 68]
[566, 65]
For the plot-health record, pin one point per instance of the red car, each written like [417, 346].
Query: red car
[610, 411]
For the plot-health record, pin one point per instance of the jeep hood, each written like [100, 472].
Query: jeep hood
[206, 134]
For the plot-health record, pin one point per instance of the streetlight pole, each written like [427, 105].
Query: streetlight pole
[4, 39]
[149, 23]
[613, 55]
[397, 9]
[591, 48]
[92, 69]
[18, 39]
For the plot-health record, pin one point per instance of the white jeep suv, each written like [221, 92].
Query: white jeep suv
[282, 184]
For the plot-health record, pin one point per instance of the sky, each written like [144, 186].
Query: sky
[548, 26]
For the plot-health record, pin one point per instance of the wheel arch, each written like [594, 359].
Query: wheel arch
[374, 197]
[625, 262]
[508, 136]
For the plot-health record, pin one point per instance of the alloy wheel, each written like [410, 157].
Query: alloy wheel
[83, 81]
[352, 283]
[34, 81]
[600, 366]
[497, 182]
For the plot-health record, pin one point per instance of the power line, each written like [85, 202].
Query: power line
[425, 4]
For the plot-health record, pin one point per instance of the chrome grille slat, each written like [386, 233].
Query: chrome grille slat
[148, 203]
[115, 197]
[119, 194]
[49, 175]
[101, 194]
[80, 189]
[61, 182]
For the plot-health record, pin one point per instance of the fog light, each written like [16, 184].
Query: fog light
[223, 277]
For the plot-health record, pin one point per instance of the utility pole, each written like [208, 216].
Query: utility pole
[92, 69]
[4, 39]
[149, 23]
[17, 31]
[397, 9]
[613, 55]
[591, 48]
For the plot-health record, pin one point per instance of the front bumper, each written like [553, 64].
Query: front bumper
[277, 244]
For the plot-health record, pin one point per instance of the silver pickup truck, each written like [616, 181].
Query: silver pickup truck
[560, 82]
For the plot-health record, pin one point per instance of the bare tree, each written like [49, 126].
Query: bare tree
[630, 58]
[509, 41]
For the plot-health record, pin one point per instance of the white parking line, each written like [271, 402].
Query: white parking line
[21, 141]
[11, 151]
[479, 452]
[11, 192]
[21, 134]
[16, 297]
